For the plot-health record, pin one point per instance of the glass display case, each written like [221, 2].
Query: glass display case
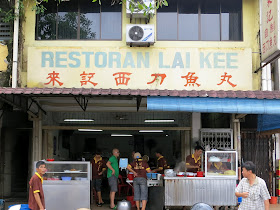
[67, 171]
[67, 184]
[221, 164]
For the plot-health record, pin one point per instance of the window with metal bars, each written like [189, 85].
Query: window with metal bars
[216, 138]
[5, 30]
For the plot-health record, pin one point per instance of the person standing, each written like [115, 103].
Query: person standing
[193, 161]
[112, 175]
[140, 168]
[252, 189]
[98, 167]
[36, 199]
[161, 163]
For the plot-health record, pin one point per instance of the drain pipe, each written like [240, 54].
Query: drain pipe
[15, 46]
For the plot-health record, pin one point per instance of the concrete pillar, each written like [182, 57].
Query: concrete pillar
[2, 159]
[237, 140]
[185, 144]
[196, 126]
[37, 142]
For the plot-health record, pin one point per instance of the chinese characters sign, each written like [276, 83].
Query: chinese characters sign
[140, 68]
[269, 28]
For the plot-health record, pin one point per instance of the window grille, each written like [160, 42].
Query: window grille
[5, 30]
[216, 138]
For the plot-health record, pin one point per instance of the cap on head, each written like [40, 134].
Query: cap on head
[137, 155]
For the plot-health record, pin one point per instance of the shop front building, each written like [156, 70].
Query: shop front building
[88, 82]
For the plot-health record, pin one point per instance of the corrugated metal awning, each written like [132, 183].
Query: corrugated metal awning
[217, 105]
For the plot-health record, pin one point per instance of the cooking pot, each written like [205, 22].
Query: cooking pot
[124, 205]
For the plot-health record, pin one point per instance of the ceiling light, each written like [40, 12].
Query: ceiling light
[151, 131]
[78, 120]
[121, 134]
[158, 121]
[89, 130]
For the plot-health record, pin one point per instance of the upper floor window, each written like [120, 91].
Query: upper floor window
[206, 20]
[79, 19]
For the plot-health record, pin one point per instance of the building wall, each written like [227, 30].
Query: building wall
[250, 40]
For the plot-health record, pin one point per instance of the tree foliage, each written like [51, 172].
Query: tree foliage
[9, 14]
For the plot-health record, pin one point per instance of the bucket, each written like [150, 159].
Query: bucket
[131, 200]
[199, 174]
[66, 178]
[2, 204]
[130, 176]
[149, 175]
[273, 200]
[19, 207]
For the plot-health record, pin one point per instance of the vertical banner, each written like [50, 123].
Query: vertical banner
[269, 29]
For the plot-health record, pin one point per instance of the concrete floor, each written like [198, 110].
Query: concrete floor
[107, 207]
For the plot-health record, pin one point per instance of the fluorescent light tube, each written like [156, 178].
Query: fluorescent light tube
[78, 120]
[89, 130]
[158, 121]
[114, 134]
[151, 131]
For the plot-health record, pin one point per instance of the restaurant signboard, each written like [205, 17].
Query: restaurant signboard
[140, 68]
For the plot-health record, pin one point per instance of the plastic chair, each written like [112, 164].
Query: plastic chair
[122, 185]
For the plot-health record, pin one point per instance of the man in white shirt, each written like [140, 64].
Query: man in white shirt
[252, 189]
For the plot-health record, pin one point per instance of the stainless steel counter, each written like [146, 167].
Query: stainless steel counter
[186, 191]
[67, 195]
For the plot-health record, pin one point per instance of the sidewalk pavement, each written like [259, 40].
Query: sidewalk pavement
[107, 207]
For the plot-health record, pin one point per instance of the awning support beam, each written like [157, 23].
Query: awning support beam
[26, 104]
[82, 101]
[139, 99]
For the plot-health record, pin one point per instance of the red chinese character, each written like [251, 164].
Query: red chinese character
[266, 33]
[269, 2]
[272, 27]
[269, 16]
[270, 42]
[162, 76]
[122, 79]
[53, 78]
[274, 39]
[224, 79]
[264, 48]
[86, 78]
[191, 80]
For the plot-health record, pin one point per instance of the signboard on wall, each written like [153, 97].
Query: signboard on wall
[269, 29]
[140, 68]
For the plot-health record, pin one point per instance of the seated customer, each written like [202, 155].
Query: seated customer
[139, 168]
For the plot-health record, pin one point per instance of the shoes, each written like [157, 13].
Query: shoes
[99, 204]
[115, 207]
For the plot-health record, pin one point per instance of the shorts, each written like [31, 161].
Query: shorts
[140, 189]
[96, 184]
[113, 183]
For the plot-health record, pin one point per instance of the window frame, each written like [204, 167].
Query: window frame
[199, 26]
[78, 27]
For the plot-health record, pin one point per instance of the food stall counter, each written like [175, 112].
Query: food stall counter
[217, 188]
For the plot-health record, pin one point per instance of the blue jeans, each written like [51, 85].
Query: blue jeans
[140, 189]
